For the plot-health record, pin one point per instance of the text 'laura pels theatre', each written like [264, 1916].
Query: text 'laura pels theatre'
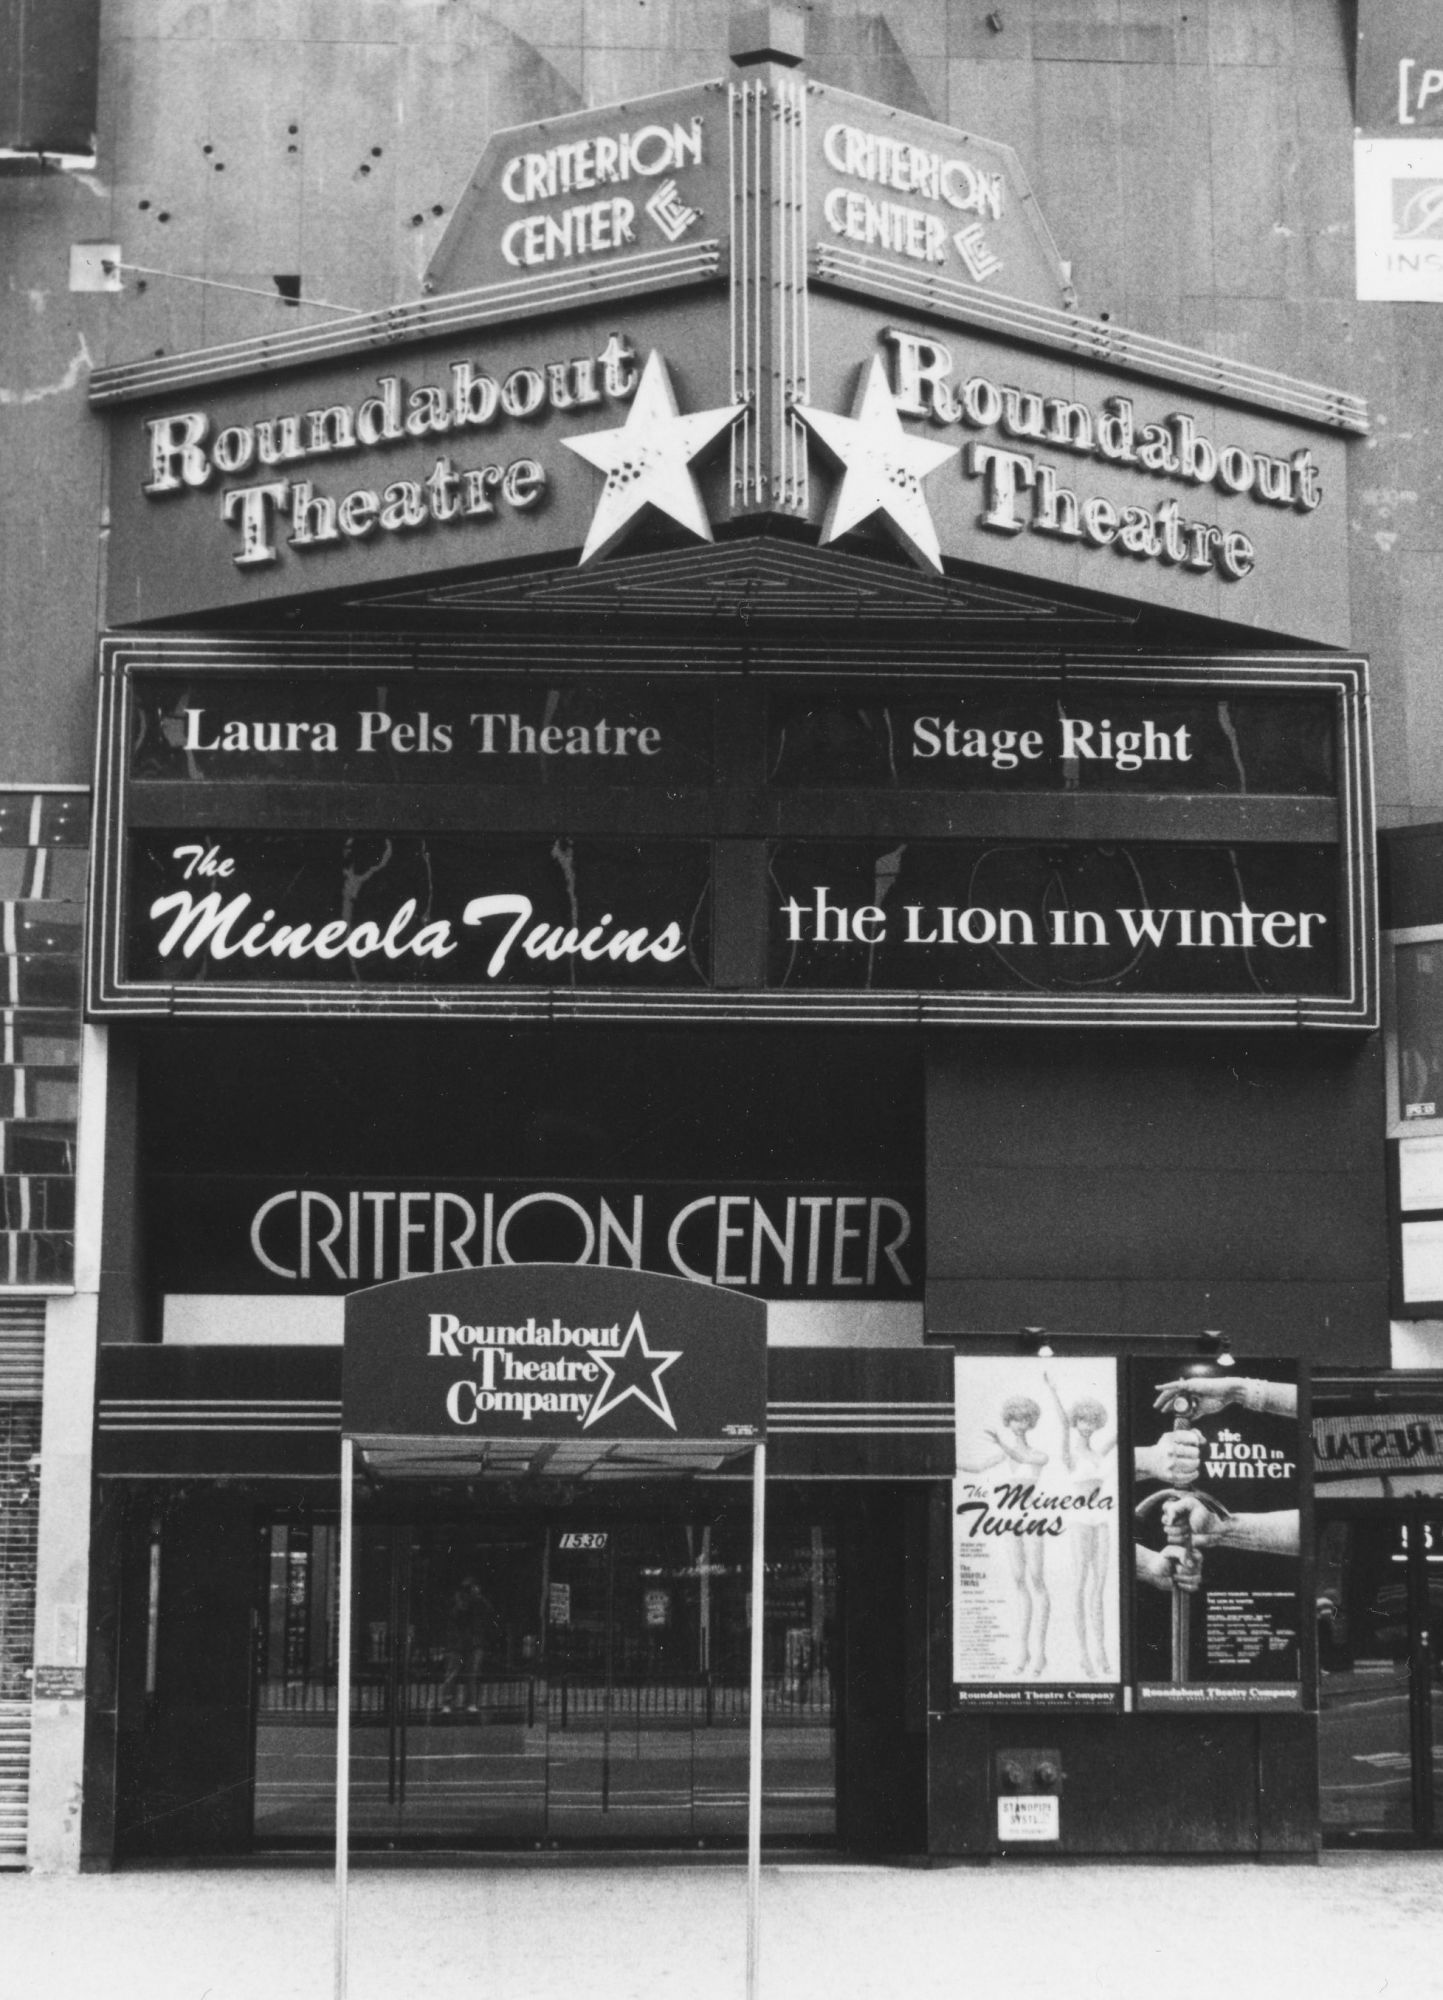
[738, 739]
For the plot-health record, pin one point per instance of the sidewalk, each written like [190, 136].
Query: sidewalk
[1356, 1926]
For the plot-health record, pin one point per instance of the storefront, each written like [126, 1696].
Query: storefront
[570, 793]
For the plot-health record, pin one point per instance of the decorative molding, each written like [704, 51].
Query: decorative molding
[1086, 339]
[754, 579]
[575, 289]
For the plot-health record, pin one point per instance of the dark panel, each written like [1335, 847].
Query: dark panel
[1159, 1185]
[1144, 1785]
[1338, 1322]
[97, 1823]
[49, 63]
[188, 1789]
[1411, 870]
[882, 1762]
[122, 1300]
[1140, 1223]
[584, 1103]
[1167, 1100]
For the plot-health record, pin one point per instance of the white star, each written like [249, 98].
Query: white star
[652, 1397]
[882, 469]
[647, 461]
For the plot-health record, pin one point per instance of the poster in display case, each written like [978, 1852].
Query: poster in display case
[1216, 1498]
[1035, 1591]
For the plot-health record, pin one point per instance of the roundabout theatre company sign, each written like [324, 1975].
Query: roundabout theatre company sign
[600, 353]
[543, 1351]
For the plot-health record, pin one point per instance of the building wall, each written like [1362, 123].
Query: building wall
[1194, 167]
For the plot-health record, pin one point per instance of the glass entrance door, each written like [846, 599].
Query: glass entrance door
[1380, 1624]
[572, 1681]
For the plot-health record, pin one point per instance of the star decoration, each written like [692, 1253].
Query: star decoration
[647, 461]
[645, 1383]
[883, 467]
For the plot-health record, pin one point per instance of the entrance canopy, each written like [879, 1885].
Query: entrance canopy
[561, 1371]
[552, 1369]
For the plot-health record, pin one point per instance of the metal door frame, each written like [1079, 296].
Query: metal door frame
[1425, 1699]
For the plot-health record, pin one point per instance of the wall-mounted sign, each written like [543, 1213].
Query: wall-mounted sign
[909, 191]
[329, 828]
[764, 298]
[326, 1235]
[1400, 67]
[1216, 1497]
[543, 1351]
[1398, 217]
[600, 186]
[1075, 473]
[1035, 1542]
[1398, 153]
[375, 467]
[1382, 1453]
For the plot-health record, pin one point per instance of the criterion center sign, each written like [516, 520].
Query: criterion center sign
[553, 1352]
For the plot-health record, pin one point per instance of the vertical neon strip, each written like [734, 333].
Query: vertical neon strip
[754, 1757]
[343, 1720]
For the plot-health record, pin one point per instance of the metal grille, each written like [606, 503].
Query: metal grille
[44, 848]
[22, 1349]
[19, 1516]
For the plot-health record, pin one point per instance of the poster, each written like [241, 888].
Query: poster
[1216, 1493]
[1035, 1594]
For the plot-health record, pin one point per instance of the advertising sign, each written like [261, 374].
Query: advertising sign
[320, 1235]
[1400, 66]
[542, 1351]
[735, 302]
[1398, 154]
[408, 728]
[1055, 916]
[596, 187]
[249, 909]
[1035, 1579]
[926, 198]
[1398, 217]
[1072, 471]
[382, 466]
[1216, 1495]
[1076, 736]
[1382, 1455]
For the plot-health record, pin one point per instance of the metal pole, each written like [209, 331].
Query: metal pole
[343, 1721]
[754, 1763]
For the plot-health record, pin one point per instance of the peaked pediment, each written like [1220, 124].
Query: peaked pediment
[751, 579]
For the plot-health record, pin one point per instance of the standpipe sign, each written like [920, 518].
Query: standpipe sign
[544, 1351]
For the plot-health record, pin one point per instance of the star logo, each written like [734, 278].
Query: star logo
[882, 469]
[636, 1374]
[647, 461]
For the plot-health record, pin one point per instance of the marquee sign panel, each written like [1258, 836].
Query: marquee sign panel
[527, 837]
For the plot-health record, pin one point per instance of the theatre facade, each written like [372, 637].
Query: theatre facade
[740, 738]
